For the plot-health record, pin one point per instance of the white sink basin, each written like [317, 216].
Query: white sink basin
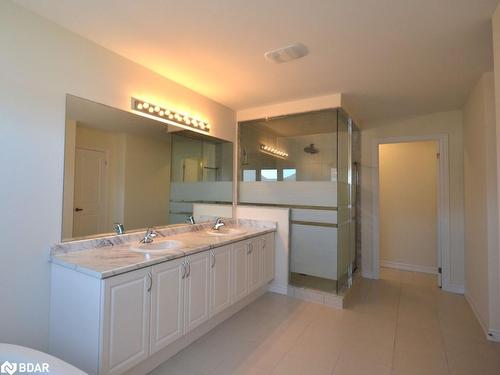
[157, 247]
[226, 232]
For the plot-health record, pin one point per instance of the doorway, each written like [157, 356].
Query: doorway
[408, 220]
[441, 220]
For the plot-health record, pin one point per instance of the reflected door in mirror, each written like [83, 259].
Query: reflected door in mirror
[89, 214]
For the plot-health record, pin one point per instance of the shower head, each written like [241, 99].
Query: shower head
[311, 149]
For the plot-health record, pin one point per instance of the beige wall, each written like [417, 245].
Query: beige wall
[481, 243]
[447, 123]
[408, 205]
[147, 182]
[41, 62]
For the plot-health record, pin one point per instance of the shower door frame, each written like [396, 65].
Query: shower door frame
[443, 203]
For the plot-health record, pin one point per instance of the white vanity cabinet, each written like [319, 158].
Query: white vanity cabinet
[268, 257]
[196, 290]
[255, 264]
[126, 313]
[240, 270]
[109, 326]
[167, 303]
[220, 278]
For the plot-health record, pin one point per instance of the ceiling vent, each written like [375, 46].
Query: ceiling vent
[288, 53]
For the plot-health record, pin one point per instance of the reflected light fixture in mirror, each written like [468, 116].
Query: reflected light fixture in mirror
[169, 116]
[273, 151]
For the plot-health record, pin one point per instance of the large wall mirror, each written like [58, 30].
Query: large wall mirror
[125, 168]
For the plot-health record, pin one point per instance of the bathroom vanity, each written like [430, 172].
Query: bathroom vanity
[119, 306]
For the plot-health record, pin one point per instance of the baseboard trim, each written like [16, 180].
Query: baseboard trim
[279, 289]
[453, 288]
[491, 334]
[408, 267]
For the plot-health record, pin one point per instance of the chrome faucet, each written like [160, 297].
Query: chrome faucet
[190, 220]
[149, 236]
[218, 224]
[119, 228]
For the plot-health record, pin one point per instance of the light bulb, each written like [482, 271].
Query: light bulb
[146, 105]
[151, 109]
[139, 106]
[170, 116]
[207, 126]
[195, 123]
[157, 109]
[167, 112]
[162, 113]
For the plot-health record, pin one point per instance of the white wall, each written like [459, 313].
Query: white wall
[481, 242]
[448, 123]
[408, 205]
[41, 62]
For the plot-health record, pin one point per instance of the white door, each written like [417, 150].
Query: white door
[240, 270]
[125, 321]
[220, 279]
[268, 256]
[167, 303]
[89, 207]
[255, 264]
[196, 290]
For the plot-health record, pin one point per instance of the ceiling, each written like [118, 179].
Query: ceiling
[391, 58]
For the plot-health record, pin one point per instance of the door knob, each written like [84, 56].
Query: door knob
[78, 209]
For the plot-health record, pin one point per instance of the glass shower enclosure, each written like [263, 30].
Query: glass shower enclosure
[307, 162]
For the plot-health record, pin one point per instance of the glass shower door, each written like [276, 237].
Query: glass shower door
[345, 242]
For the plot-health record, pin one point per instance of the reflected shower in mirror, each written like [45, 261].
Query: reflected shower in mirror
[123, 168]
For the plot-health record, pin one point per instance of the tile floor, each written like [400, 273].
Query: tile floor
[401, 324]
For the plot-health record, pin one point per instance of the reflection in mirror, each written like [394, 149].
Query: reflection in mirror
[122, 168]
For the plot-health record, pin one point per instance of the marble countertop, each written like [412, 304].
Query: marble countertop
[112, 255]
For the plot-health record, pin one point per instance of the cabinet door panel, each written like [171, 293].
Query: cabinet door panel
[255, 264]
[220, 279]
[268, 251]
[167, 304]
[125, 321]
[197, 283]
[240, 270]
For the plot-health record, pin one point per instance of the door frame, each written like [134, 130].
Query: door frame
[105, 188]
[443, 204]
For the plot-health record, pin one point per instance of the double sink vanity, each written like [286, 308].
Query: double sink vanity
[126, 303]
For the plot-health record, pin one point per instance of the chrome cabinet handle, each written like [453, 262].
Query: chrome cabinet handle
[188, 264]
[250, 248]
[263, 243]
[150, 276]
[213, 259]
[183, 272]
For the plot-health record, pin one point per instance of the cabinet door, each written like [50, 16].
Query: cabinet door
[126, 309]
[220, 279]
[268, 256]
[196, 290]
[240, 270]
[167, 303]
[255, 264]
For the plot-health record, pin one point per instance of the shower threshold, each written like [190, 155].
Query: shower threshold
[301, 280]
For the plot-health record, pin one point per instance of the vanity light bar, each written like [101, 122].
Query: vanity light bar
[273, 151]
[169, 116]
